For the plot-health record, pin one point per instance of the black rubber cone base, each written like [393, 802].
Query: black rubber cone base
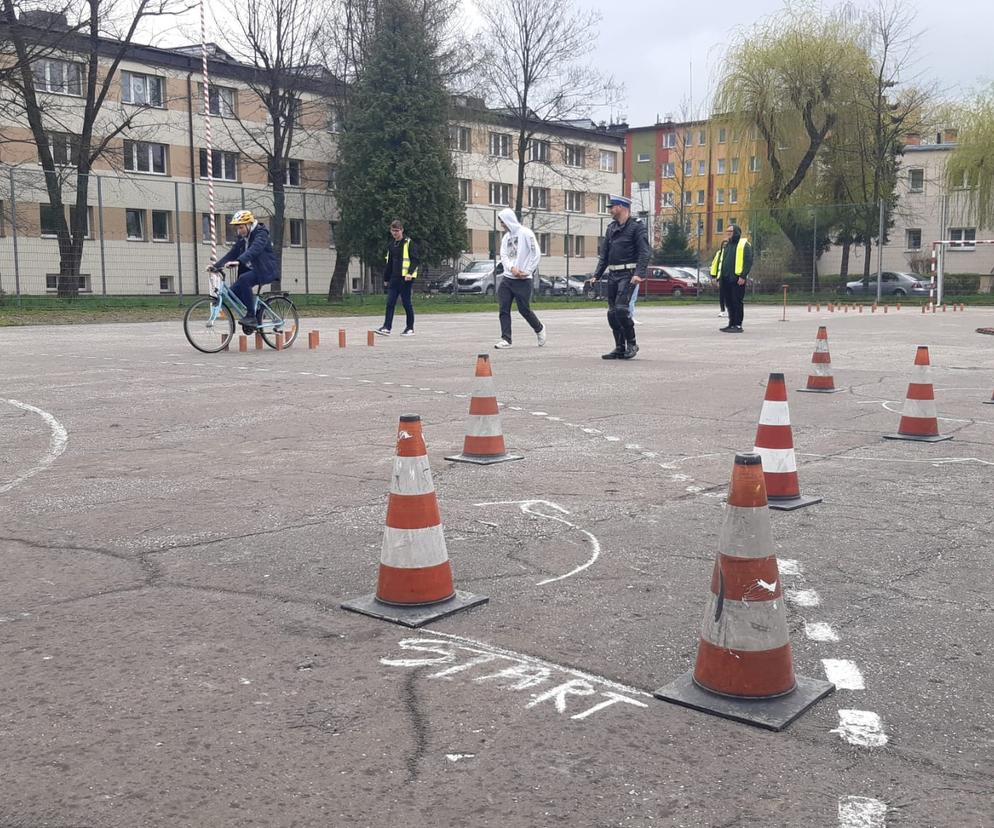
[484, 460]
[415, 616]
[988, 402]
[930, 438]
[793, 503]
[771, 714]
[820, 390]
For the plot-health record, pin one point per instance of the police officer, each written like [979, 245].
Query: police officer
[624, 258]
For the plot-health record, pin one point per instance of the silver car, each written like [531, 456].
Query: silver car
[478, 277]
[891, 284]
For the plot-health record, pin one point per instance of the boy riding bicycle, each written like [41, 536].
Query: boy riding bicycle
[253, 251]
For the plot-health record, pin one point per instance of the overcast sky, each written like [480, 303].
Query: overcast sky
[649, 46]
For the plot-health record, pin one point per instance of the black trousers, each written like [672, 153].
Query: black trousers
[402, 289]
[733, 297]
[520, 292]
[619, 297]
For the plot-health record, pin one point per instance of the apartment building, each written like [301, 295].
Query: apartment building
[699, 173]
[927, 210]
[148, 216]
[571, 169]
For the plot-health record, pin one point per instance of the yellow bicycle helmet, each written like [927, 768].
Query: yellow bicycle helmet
[242, 217]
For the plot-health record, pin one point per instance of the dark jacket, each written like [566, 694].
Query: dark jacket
[254, 252]
[626, 243]
[395, 260]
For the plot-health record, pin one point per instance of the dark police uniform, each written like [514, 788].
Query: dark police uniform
[624, 254]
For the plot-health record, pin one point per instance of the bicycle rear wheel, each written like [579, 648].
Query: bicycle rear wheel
[280, 316]
[206, 330]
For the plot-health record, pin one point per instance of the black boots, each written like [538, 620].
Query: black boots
[630, 351]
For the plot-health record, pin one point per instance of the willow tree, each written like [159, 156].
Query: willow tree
[972, 161]
[787, 81]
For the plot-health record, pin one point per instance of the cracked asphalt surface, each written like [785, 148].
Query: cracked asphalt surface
[174, 653]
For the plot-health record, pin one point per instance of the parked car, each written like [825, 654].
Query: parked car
[667, 281]
[435, 279]
[560, 286]
[478, 277]
[891, 284]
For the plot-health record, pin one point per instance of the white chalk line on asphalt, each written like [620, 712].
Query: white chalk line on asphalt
[56, 445]
[934, 461]
[862, 812]
[888, 405]
[526, 507]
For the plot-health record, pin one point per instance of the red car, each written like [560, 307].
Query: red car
[666, 281]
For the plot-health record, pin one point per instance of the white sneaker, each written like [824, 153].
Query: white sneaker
[408, 332]
[502, 344]
[541, 337]
[723, 313]
[636, 321]
[382, 331]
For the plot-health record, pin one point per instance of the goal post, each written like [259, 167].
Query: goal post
[936, 290]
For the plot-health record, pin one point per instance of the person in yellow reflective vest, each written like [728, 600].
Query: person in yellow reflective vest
[731, 266]
[402, 261]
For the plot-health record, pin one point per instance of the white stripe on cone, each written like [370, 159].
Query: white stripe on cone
[753, 626]
[919, 408]
[821, 346]
[411, 476]
[774, 413]
[822, 369]
[776, 461]
[743, 535]
[484, 387]
[920, 374]
[413, 548]
[483, 425]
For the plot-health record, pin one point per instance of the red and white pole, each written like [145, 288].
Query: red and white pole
[207, 130]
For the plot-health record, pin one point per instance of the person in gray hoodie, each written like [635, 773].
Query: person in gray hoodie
[520, 255]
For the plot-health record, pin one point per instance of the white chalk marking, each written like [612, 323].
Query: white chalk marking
[861, 727]
[56, 445]
[591, 431]
[862, 812]
[552, 419]
[558, 694]
[613, 439]
[527, 675]
[788, 566]
[844, 674]
[694, 489]
[935, 461]
[387, 382]
[768, 587]
[455, 757]
[526, 507]
[633, 446]
[803, 597]
[540, 413]
[613, 698]
[515, 407]
[820, 631]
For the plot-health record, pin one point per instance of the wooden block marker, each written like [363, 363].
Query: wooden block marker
[242, 344]
[341, 337]
[313, 339]
[279, 341]
[225, 341]
[370, 338]
[258, 341]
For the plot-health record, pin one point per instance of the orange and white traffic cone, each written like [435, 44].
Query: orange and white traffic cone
[484, 443]
[775, 444]
[919, 421]
[820, 381]
[415, 580]
[744, 669]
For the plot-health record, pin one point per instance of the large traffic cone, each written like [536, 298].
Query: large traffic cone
[821, 380]
[484, 443]
[744, 669]
[918, 418]
[415, 582]
[775, 444]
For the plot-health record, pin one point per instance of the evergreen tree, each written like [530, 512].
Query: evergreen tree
[675, 248]
[394, 157]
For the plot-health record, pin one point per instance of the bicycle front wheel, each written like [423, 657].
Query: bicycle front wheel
[208, 328]
[279, 316]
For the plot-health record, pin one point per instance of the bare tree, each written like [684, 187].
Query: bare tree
[535, 68]
[73, 50]
[280, 40]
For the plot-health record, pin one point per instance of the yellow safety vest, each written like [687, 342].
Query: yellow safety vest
[739, 258]
[405, 264]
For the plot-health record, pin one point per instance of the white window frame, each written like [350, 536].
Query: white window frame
[907, 238]
[668, 199]
[688, 168]
[142, 221]
[733, 196]
[222, 162]
[669, 140]
[573, 246]
[608, 161]
[574, 155]
[497, 191]
[169, 225]
[297, 223]
[602, 203]
[224, 108]
[459, 138]
[500, 145]
[669, 170]
[293, 164]
[702, 137]
[700, 197]
[540, 151]
[139, 148]
[573, 201]
[722, 135]
[702, 167]
[643, 158]
[960, 242]
[734, 168]
[544, 243]
[64, 141]
[466, 190]
[88, 234]
[721, 167]
[129, 81]
[754, 163]
[44, 79]
[719, 196]
[688, 198]
[540, 203]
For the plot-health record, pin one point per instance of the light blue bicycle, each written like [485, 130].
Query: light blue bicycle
[209, 323]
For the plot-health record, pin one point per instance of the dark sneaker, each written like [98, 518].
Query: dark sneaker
[735, 329]
[630, 351]
[617, 353]
[382, 331]
[727, 329]
[408, 332]
[248, 321]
